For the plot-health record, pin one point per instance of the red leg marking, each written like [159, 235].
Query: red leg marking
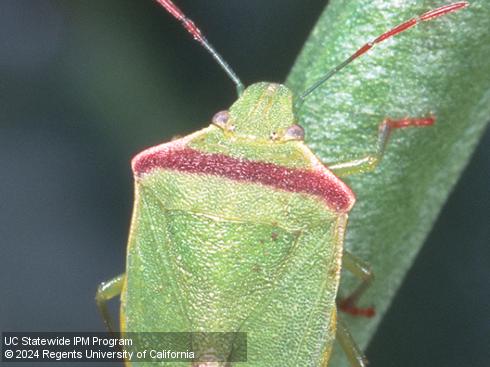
[406, 122]
[348, 306]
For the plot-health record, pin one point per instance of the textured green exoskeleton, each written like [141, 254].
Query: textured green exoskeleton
[239, 228]
[212, 253]
[219, 244]
[234, 255]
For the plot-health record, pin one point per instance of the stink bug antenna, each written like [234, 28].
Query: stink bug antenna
[431, 14]
[198, 36]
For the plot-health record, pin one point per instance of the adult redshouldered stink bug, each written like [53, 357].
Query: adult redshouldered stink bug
[239, 228]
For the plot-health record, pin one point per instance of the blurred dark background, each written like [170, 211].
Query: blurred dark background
[86, 84]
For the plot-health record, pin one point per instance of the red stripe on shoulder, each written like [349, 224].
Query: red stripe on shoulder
[318, 182]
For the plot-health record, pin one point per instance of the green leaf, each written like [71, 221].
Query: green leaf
[439, 67]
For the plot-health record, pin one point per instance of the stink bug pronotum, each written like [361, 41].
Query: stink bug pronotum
[245, 205]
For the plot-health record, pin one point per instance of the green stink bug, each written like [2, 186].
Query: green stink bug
[243, 211]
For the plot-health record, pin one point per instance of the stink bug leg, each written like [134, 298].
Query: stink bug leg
[362, 271]
[105, 292]
[349, 346]
[369, 162]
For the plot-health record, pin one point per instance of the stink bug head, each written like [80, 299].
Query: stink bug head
[263, 112]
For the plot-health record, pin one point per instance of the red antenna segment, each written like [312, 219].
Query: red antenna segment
[431, 14]
[196, 33]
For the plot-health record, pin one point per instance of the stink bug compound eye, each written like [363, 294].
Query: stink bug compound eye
[294, 132]
[221, 118]
[239, 228]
